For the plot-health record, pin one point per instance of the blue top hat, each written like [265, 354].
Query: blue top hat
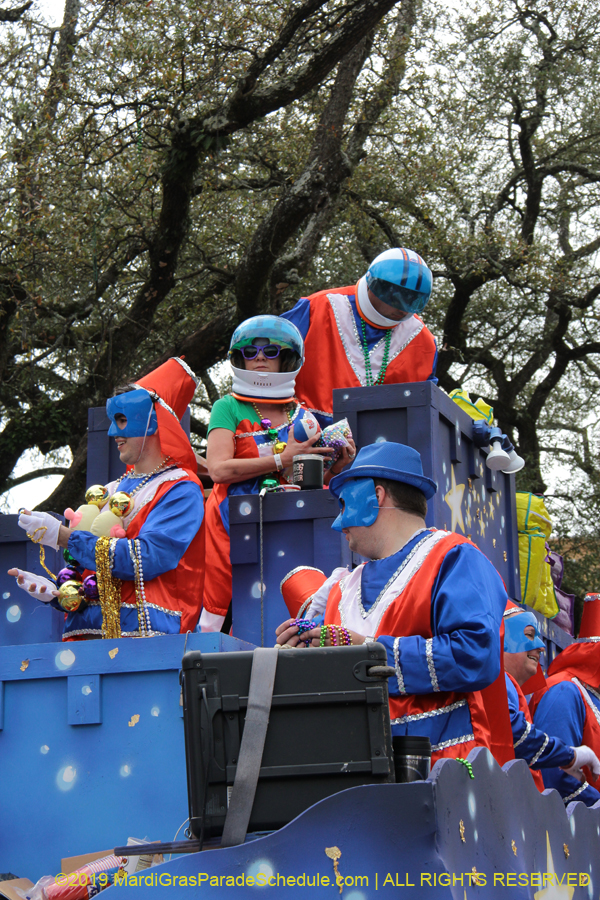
[387, 460]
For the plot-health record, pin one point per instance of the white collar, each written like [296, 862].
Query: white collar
[264, 385]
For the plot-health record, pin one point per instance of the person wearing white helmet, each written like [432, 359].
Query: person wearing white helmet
[366, 334]
[250, 438]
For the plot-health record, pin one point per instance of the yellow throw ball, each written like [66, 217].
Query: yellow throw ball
[96, 495]
[70, 595]
[120, 504]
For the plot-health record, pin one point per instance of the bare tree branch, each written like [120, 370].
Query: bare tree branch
[13, 15]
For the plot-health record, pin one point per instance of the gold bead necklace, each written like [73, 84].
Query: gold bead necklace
[273, 431]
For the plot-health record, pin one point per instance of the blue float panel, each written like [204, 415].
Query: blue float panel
[24, 620]
[492, 836]
[296, 531]
[103, 463]
[91, 746]
[471, 499]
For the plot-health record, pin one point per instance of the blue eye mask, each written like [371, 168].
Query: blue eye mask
[358, 502]
[138, 407]
[515, 640]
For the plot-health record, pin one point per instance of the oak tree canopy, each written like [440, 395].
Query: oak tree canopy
[171, 167]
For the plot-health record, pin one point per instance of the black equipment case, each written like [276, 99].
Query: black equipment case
[329, 729]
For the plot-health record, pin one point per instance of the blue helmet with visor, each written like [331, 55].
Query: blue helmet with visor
[277, 331]
[400, 278]
[515, 639]
[138, 408]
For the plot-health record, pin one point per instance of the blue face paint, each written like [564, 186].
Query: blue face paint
[358, 502]
[138, 408]
[515, 640]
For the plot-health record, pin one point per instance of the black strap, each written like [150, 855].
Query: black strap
[226, 626]
[260, 693]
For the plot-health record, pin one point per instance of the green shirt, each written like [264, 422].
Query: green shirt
[229, 412]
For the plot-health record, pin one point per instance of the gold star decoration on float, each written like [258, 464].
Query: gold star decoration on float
[468, 516]
[454, 499]
[554, 891]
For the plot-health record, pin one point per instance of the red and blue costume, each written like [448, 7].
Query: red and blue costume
[538, 749]
[436, 605]
[570, 708]
[251, 441]
[330, 323]
[166, 521]
[569, 705]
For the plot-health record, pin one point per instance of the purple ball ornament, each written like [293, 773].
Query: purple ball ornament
[90, 587]
[69, 573]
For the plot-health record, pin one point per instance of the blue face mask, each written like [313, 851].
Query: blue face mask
[515, 640]
[138, 408]
[358, 502]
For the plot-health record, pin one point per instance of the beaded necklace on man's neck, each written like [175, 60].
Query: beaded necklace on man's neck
[144, 476]
[370, 382]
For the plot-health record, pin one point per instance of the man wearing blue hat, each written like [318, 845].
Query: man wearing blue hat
[522, 648]
[430, 597]
[366, 334]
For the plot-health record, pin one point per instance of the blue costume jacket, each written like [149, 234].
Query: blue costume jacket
[169, 529]
[561, 711]
[537, 748]
[467, 603]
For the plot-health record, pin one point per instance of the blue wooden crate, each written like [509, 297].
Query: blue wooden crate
[296, 531]
[24, 620]
[91, 746]
[471, 499]
[103, 463]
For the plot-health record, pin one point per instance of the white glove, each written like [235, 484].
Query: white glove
[35, 585]
[584, 756]
[35, 523]
[210, 621]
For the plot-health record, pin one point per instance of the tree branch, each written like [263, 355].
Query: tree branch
[13, 15]
[36, 473]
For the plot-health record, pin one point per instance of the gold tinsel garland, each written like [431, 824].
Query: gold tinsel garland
[109, 590]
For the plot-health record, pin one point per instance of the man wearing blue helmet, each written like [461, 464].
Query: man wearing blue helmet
[522, 649]
[430, 597]
[366, 334]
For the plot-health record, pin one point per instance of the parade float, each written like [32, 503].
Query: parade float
[92, 737]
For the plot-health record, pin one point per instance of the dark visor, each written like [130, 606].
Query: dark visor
[396, 296]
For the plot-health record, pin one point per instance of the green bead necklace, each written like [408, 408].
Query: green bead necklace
[384, 361]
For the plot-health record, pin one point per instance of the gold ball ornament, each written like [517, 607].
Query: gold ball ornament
[279, 446]
[121, 504]
[70, 596]
[97, 495]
